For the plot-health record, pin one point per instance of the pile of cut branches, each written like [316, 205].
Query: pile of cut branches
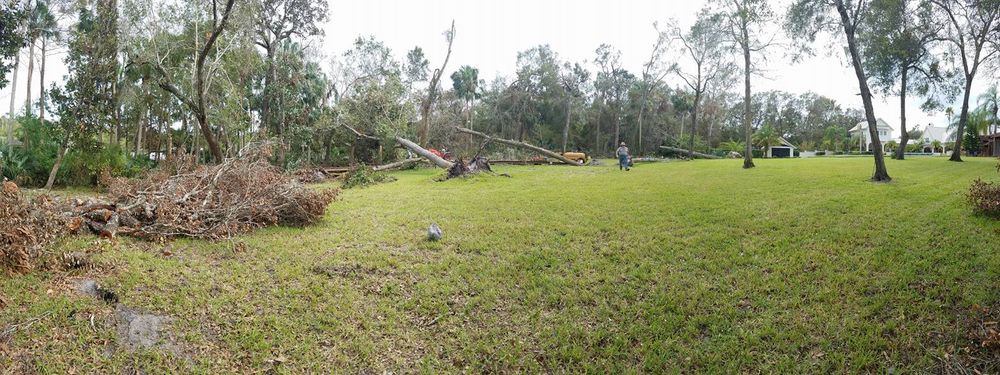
[26, 228]
[211, 202]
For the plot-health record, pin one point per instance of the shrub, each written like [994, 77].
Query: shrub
[985, 197]
[820, 153]
[364, 176]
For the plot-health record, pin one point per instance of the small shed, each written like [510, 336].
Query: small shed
[783, 150]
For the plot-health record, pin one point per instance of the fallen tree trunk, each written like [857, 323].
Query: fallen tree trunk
[519, 144]
[398, 164]
[437, 160]
[683, 151]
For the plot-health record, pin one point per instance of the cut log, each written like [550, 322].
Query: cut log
[396, 165]
[683, 151]
[523, 145]
[520, 162]
[437, 160]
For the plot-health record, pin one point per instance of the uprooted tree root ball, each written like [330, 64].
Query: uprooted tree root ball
[461, 169]
[211, 202]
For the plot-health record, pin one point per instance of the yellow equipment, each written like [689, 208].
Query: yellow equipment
[578, 157]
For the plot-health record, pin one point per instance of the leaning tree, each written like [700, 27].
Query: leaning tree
[423, 133]
[897, 51]
[972, 25]
[199, 103]
[745, 20]
[704, 43]
[808, 18]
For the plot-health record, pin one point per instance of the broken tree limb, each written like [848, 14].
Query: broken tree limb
[518, 144]
[437, 160]
[396, 165]
[683, 151]
[359, 134]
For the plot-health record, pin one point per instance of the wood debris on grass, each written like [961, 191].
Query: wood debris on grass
[213, 202]
[27, 228]
[179, 199]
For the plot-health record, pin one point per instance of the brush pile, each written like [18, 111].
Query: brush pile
[26, 228]
[184, 199]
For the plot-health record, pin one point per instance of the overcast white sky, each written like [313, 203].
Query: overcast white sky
[490, 33]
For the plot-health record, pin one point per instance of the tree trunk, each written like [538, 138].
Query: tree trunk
[63, 149]
[213, 144]
[963, 119]
[398, 164]
[881, 174]
[597, 128]
[13, 92]
[569, 107]
[903, 136]
[642, 112]
[199, 106]
[116, 114]
[41, 82]
[520, 145]
[159, 140]
[694, 124]
[423, 134]
[31, 70]
[138, 137]
[170, 142]
[438, 161]
[13, 95]
[696, 154]
[618, 122]
[265, 105]
[747, 130]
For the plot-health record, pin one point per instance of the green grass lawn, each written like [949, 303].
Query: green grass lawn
[797, 266]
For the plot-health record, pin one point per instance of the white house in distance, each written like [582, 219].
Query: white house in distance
[933, 133]
[864, 142]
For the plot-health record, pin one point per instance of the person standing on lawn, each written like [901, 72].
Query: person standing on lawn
[623, 156]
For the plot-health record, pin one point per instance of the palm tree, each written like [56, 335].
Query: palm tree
[989, 102]
[766, 137]
[465, 82]
[733, 146]
[979, 123]
[44, 27]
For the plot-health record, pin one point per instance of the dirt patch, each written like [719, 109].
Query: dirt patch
[92, 288]
[137, 330]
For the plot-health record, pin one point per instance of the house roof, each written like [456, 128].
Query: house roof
[934, 133]
[785, 143]
[862, 126]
